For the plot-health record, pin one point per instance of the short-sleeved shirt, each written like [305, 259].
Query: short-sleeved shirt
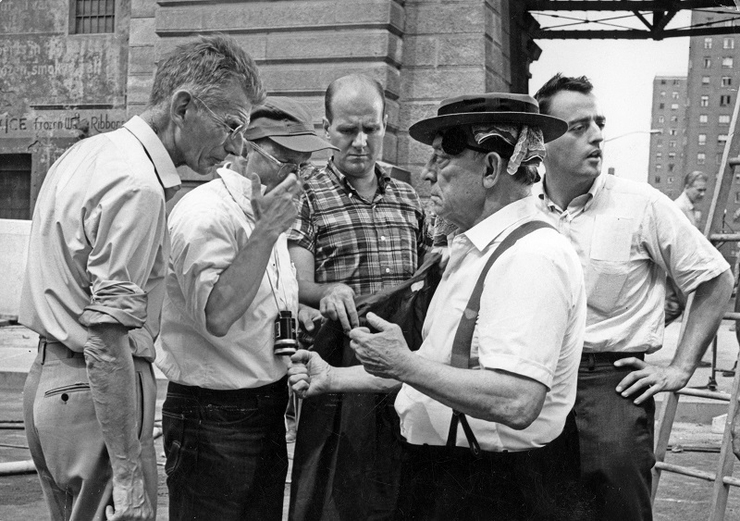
[628, 236]
[209, 226]
[687, 207]
[99, 242]
[366, 244]
[531, 321]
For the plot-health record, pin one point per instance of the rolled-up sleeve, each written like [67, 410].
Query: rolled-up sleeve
[125, 233]
[302, 233]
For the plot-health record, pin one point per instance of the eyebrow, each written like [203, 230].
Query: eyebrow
[597, 119]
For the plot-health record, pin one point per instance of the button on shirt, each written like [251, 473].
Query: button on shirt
[209, 226]
[531, 321]
[99, 242]
[367, 245]
[628, 236]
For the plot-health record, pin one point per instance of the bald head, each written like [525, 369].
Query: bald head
[352, 85]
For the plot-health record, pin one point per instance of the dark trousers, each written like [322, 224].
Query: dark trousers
[226, 452]
[616, 442]
[540, 484]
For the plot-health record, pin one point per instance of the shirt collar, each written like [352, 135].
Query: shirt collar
[486, 231]
[163, 165]
[239, 187]
[383, 178]
[584, 201]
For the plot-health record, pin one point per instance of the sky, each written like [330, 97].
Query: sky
[622, 72]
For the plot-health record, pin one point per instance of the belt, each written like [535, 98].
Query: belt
[229, 394]
[54, 350]
[591, 359]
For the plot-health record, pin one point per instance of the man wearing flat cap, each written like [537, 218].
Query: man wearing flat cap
[229, 278]
[502, 336]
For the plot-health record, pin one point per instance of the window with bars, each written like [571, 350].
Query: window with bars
[93, 16]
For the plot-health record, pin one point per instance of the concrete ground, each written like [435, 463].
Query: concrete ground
[679, 498]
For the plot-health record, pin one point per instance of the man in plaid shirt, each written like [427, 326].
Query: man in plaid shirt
[358, 231]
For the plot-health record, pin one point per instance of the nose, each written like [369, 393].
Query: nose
[360, 140]
[234, 145]
[429, 172]
[596, 133]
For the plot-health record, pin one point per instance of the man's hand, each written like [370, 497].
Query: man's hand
[308, 317]
[130, 499]
[338, 303]
[309, 374]
[276, 209]
[652, 378]
[384, 353]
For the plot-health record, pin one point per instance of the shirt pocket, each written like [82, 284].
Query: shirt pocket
[608, 266]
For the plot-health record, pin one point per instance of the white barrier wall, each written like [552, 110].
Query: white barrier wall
[13, 252]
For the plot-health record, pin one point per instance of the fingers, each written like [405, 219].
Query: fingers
[301, 356]
[633, 361]
[377, 322]
[109, 513]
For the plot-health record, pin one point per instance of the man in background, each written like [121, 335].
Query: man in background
[694, 190]
[94, 281]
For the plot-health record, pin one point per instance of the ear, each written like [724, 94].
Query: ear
[494, 169]
[182, 102]
[326, 125]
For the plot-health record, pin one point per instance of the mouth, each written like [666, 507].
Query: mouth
[596, 154]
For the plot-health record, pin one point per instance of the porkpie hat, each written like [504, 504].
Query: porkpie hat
[286, 122]
[492, 107]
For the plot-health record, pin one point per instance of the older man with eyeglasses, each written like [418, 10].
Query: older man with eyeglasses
[230, 282]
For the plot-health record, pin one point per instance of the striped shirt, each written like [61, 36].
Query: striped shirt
[367, 245]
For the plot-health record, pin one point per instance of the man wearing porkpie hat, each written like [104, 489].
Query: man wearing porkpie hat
[228, 280]
[506, 362]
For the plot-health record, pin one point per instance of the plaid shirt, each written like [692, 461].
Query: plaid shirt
[367, 245]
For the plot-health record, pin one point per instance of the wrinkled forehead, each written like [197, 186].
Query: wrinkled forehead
[573, 106]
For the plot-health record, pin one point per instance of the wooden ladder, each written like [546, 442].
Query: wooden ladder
[722, 478]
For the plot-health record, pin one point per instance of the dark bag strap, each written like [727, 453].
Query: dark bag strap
[460, 356]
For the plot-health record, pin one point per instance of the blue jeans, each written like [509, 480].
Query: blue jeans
[226, 452]
[616, 442]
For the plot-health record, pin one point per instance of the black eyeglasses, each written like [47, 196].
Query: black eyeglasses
[455, 141]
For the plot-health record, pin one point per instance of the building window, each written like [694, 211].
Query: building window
[671, 155]
[702, 139]
[674, 106]
[659, 143]
[726, 81]
[673, 132]
[662, 82]
[671, 166]
[670, 180]
[658, 167]
[705, 80]
[724, 119]
[707, 43]
[658, 156]
[722, 139]
[661, 119]
[661, 106]
[93, 16]
[704, 101]
[703, 119]
[674, 95]
[672, 144]
[725, 100]
[676, 82]
[728, 43]
[662, 94]
[15, 186]
[657, 179]
[701, 158]
[674, 119]
[727, 62]
[737, 197]
[707, 62]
